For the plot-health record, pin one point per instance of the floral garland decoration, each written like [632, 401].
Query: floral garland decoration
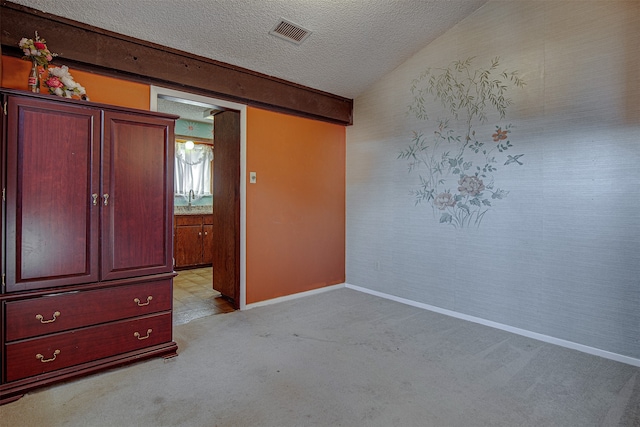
[36, 50]
[61, 83]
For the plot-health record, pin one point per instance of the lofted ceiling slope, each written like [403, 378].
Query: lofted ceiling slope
[352, 44]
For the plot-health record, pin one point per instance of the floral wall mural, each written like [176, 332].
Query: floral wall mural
[458, 166]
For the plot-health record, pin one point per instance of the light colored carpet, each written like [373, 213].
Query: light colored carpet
[343, 358]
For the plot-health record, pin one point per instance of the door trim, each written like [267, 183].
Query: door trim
[157, 90]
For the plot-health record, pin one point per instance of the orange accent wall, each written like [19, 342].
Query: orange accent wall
[106, 90]
[296, 209]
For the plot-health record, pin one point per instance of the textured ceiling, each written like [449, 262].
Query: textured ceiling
[353, 42]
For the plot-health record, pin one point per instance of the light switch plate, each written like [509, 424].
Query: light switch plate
[252, 178]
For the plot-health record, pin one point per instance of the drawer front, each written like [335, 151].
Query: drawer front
[40, 355]
[61, 312]
[188, 220]
[207, 219]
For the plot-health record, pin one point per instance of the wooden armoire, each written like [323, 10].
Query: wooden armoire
[87, 264]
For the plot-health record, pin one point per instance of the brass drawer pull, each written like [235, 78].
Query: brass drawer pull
[137, 301]
[43, 360]
[55, 316]
[137, 335]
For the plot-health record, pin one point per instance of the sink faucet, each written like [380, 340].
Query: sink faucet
[191, 196]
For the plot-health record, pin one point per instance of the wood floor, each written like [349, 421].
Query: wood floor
[194, 297]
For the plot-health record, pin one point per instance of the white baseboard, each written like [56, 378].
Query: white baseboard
[540, 337]
[294, 296]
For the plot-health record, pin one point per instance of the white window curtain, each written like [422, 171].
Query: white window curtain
[193, 170]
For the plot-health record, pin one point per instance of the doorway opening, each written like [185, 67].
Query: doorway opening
[219, 208]
[194, 297]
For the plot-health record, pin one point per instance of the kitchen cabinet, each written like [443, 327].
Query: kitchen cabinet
[87, 265]
[193, 240]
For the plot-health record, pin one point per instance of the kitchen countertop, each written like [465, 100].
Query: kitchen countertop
[192, 210]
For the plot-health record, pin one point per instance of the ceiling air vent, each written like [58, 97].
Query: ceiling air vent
[289, 31]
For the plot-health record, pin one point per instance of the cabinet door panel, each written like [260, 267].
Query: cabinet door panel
[53, 157]
[138, 177]
[207, 244]
[188, 245]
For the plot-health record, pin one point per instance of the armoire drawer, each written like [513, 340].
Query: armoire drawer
[36, 356]
[65, 311]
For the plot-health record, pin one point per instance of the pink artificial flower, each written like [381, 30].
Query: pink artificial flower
[53, 82]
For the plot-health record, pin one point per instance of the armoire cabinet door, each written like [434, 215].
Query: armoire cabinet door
[3, 144]
[136, 195]
[53, 170]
